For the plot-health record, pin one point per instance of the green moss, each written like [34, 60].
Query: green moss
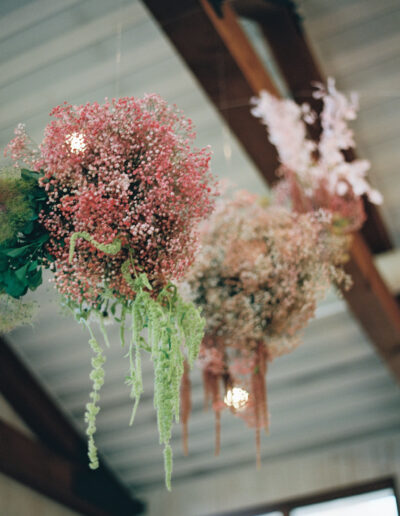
[22, 237]
[13, 313]
[16, 208]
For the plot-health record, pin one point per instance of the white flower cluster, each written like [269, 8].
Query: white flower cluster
[323, 161]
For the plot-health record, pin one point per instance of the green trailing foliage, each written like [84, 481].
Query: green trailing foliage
[92, 409]
[112, 248]
[174, 330]
[22, 239]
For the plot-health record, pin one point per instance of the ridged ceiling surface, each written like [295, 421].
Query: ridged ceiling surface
[332, 389]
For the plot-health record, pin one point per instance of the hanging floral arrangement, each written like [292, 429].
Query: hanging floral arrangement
[124, 191]
[258, 278]
[262, 269]
[316, 174]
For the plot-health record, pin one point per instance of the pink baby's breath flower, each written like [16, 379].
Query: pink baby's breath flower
[258, 278]
[125, 169]
[322, 175]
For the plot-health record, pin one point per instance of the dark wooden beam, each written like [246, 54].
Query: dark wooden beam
[35, 408]
[373, 304]
[72, 485]
[208, 41]
[300, 69]
[40, 413]
[219, 71]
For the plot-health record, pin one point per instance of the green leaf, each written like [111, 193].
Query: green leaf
[3, 263]
[48, 256]
[30, 174]
[42, 239]
[14, 287]
[21, 273]
[35, 280]
[40, 195]
[113, 307]
[28, 228]
[32, 265]
[18, 251]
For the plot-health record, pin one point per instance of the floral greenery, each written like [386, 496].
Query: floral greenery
[170, 322]
[22, 251]
[15, 207]
[133, 176]
[317, 174]
[258, 278]
[22, 241]
[126, 190]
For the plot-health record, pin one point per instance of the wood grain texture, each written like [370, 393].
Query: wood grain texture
[300, 70]
[230, 74]
[36, 466]
[66, 448]
[211, 35]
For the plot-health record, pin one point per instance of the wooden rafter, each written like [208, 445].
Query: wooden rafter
[300, 69]
[62, 448]
[209, 42]
[33, 464]
[218, 73]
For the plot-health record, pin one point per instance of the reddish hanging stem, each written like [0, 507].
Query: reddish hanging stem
[217, 433]
[186, 406]
[211, 390]
[258, 448]
[259, 391]
[263, 389]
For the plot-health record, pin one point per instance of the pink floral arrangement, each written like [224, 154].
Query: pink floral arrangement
[317, 174]
[258, 278]
[125, 190]
[125, 170]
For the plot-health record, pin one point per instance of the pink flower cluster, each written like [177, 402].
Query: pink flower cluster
[21, 149]
[258, 277]
[317, 173]
[122, 170]
[261, 271]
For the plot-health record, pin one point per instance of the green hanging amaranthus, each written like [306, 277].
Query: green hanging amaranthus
[124, 191]
[174, 331]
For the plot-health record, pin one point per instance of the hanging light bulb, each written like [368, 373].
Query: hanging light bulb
[236, 398]
[76, 142]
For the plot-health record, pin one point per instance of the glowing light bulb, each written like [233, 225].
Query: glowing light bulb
[77, 142]
[236, 398]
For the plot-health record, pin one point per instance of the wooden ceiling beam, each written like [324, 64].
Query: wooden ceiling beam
[228, 77]
[66, 446]
[299, 68]
[41, 469]
[215, 46]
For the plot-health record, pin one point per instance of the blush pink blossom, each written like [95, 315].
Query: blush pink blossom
[125, 169]
[258, 278]
[317, 173]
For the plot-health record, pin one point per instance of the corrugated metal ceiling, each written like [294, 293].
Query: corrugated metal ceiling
[332, 389]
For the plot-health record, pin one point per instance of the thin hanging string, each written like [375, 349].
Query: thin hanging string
[118, 57]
